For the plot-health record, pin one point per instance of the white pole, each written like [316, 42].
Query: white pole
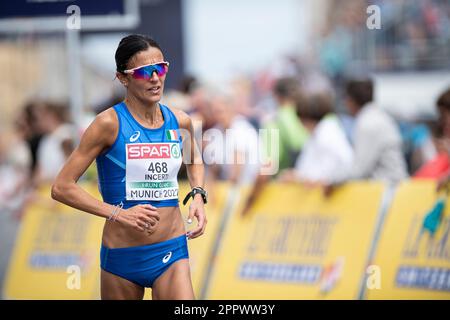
[74, 74]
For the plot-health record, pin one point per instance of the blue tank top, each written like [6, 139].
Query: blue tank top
[112, 165]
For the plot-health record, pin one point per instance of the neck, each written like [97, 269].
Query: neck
[284, 102]
[148, 113]
[229, 121]
[357, 110]
[53, 125]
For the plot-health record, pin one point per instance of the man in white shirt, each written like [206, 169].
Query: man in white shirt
[327, 154]
[377, 141]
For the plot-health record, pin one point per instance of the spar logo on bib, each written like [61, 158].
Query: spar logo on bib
[175, 151]
[150, 151]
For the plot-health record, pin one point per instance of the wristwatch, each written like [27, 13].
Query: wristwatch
[194, 191]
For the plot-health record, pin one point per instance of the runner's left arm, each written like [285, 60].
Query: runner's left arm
[195, 170]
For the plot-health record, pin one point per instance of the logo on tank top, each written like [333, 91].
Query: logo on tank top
[175, 149]
[167, 257]
[135, 136]
[148, 151]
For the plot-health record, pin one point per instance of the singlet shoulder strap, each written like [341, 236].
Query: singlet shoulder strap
[168, 114]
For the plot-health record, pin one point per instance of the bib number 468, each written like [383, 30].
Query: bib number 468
[158, 167]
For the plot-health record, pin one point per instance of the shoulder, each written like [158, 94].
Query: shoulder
[326, 127]
[107, 120]
[184, 120]
[374, 118]
[330, 132]
[104, 128]
[368, 118]
[328, 121]
[242, 125]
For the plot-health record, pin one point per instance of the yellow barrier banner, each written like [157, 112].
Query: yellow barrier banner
[56, 255]
[412, 262]
[297, 244]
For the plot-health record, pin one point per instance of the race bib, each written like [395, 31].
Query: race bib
[152, 170]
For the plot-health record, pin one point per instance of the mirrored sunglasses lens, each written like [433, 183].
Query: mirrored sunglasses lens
[161, 69]
[142, 73]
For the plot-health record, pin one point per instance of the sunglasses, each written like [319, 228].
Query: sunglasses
[146, 72]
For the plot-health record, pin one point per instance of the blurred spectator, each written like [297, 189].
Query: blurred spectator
[57, 143]
[233, 150]
[292, 134]
[377, 141]
[15, 166]
[419, 147]
[188, 84]
[201, 113]
[327, 154]
[439, 167]
[32, 133]
[242, 97]
[443, 106]
[181, 98]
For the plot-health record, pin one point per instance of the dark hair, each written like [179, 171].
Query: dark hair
[129, 46]
[30, 109]
[59, 110]
[188, 84]
[360, 91]
[444, 100]
[314, 107]
[286, 87]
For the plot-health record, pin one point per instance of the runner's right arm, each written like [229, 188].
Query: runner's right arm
[99, 136]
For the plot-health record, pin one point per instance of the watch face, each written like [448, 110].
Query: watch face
[201, 191]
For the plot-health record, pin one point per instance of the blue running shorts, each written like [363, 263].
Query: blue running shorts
[143, 264]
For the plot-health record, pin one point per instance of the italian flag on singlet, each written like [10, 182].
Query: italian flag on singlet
[171, 134]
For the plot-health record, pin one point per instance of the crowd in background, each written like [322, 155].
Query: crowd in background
[32, 154]
[321, 146]
[414, 35]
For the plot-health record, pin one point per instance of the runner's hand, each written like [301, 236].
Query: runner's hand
[142, 217]
[197, 209]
